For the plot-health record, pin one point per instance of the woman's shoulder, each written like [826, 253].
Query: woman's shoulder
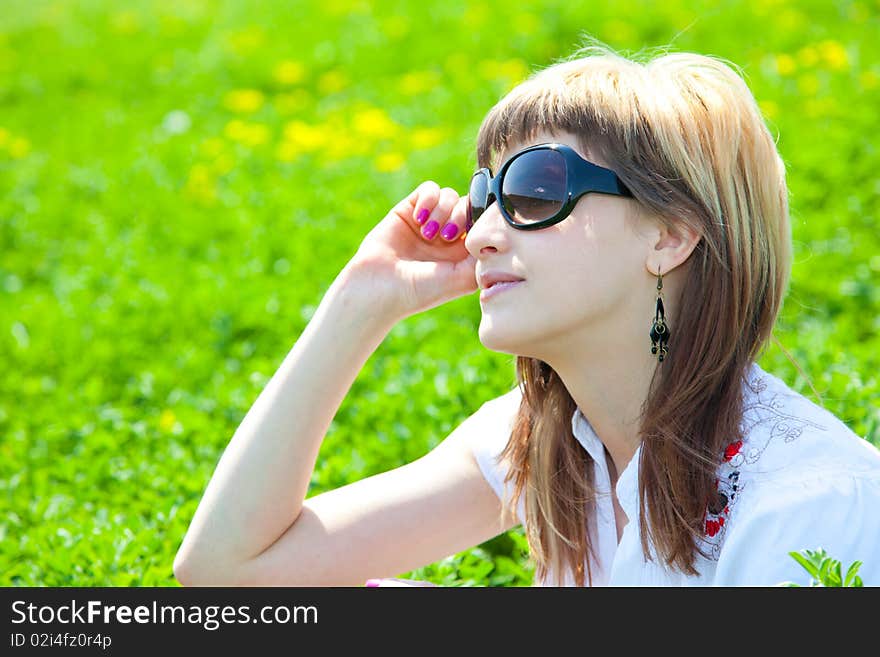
[785, 435]
[791, 450]
[505, 403]
[488, 432]
[834, 510]
[493, 421]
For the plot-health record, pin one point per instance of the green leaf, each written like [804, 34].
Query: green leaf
[818, 556]
[851, 573]
[804, 558]
[832, 573]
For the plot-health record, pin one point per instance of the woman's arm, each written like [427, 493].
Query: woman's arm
[253, 525]
[259, 485]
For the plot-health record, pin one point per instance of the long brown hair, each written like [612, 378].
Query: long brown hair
[685, 134]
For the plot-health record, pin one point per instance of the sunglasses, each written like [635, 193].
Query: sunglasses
[539, 186]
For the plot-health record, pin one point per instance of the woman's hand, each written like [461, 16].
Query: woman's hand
[414, 259]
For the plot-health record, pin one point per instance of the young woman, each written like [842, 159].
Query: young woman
[628, 229]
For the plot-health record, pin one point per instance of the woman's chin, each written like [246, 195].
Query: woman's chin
[507, 339]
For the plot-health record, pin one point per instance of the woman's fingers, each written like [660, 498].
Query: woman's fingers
[441, 212]
[456, 227]
[439, 222]
[427, 197]
[438, 216]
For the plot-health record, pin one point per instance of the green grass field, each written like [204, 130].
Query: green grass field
[181, 180]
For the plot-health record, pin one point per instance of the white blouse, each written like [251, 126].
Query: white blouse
[799, 479]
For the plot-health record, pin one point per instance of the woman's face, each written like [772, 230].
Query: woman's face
[586, 278]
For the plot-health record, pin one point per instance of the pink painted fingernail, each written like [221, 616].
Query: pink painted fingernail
[422, 215]
[430, 229]
[449, 231]
[372, 582]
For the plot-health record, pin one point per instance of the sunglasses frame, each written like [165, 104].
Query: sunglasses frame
[583, 177]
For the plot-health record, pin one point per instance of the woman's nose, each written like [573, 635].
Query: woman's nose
[489, 230]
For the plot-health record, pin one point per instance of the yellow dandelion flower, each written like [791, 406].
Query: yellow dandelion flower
[375, 123]
[427, 137]
[508, 70]
[817, 107]
[287, 151]
[303, 136]
[19, 147]
[869, 80]
[514, 69]
[235, 130]
[808, 84]
[167, 420]
[388, 162]
[332, 82]
[417, 82]
[808, 56]
[249, 134]
[785, 64]
[293, 128]
[292, 102]
[834, 55]
[289, 72]
[199, 175]
[244, 101]
[200, 184]
[342, 144]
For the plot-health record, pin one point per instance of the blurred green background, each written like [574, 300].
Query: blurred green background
[181, 180]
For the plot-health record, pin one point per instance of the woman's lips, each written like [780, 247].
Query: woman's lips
[498, 288]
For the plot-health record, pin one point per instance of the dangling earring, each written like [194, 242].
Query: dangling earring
[659, 329]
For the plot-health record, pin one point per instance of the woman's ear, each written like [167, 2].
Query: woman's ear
[673, 244]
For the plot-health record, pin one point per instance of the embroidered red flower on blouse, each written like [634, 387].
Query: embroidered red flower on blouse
[732, 450]
[720, 508]
[713, 526]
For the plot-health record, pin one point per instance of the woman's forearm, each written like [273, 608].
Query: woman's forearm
[260, 483]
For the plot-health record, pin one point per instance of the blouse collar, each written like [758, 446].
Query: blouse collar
[627, 486]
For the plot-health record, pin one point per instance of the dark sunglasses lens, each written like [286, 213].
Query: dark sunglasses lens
[478, 196]
[534, 186]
